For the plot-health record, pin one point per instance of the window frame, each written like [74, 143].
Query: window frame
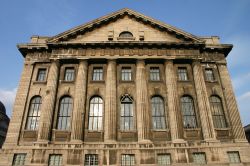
[208, 77]
[127, 117]
[94, 117]
[157, 113]
[126, 74]
[168, 162]
[229, 153]
[44, 74]
[131, 158]
[189, 113]
[195, 154]
[70, 75]
[16, 157]
[100, 75]
[30, 114]
[88, 157]
[220, 112]
[182, 72]
[60, 156]
[61, 117]
[156, 75]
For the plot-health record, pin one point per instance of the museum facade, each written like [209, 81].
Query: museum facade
[125, 89]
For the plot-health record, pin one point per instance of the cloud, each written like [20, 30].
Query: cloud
[7, 97]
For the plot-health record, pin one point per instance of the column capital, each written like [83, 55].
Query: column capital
[111, 61]
[168, 61]
[140, 62]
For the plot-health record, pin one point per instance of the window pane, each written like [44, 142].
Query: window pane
[217, 112]
[41, 75]
[19, 159]
[199, 158]
[163, 159]
[55, 160]
[69, 74]
[233, 157]
[126, 74]
[154, 74]
[95, 113]
[209, 75]
[91, 159]
[182, 74]
[128, 160]
[188, 113]
[97, 74]
[158, 113]
[34, 113]
[126, 119]
[64, 114]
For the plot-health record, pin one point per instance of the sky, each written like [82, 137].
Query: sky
[228, 19]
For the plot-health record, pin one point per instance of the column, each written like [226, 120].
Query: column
[203, 103]
[173, 101]
[142, 102]
[48, 103]
[20, 105]
[79, 102]
[110, 103]
[234, 116]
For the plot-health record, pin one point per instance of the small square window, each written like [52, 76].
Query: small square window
[41, 75]
[126, 74]
[233, 157]
[182, 74]
[154, 74]
[209, 75]
[97, 74]
[199, 158]
[69, 74]
[55, 160]
[91, 159]
[163, 159]
[19, 159]
[128, 160]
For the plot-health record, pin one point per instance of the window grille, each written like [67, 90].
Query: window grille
[126, 74]
[158, 113]
[55, 160]
[128, 160]
[217, 112]
[182, 74]
[97, 74]
[188, 113]
[233, 157]
[64, 116]
[209, 75]
[91, 160]
[154, 74]
[95, 114]
[127, 115]
[19, 159]
[34, 113]
[199, 158]
[163, 159]
[41, 75]
[69, 74]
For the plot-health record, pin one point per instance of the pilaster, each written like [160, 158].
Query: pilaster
[48, 103]
[173, 102]
[110, 103]
[142, 102]
[236, 125]
[203, 103]
[79, 102]
[19, 105]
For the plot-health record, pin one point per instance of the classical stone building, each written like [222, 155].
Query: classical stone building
[4, 123]
[125, 89]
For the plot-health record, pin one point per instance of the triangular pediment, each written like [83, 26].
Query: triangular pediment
[109, 27]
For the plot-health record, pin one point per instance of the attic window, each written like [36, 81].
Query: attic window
[126, 35]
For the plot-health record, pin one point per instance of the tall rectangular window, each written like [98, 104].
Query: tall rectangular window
[127, 115]
[163, 159]
[41, 75]
[55, 160]
[233, 157]
[209, 75]
[97, 74]
[128, 159]
[154, 74]
[199, 158]
[91, 159]
[69, 74]
[126, 74]
[182, 74]
[19, 159]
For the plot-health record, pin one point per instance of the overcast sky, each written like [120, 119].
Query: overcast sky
[228, 19]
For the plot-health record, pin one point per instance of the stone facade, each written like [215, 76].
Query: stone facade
[121, 69]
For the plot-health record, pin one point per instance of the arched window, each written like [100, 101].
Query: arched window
[127, 115]
[158, 113]
[217, 112]
[95, 113]
[126, 34]
[64, 114]
[188, 113]
[34, 113]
